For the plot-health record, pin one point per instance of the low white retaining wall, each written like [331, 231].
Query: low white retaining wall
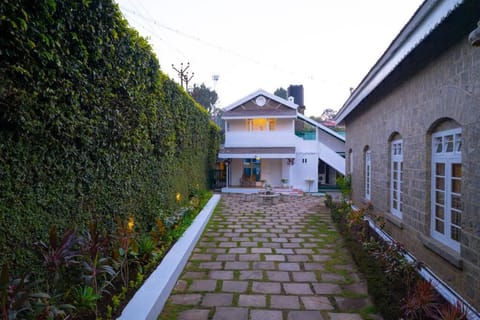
[148, 301]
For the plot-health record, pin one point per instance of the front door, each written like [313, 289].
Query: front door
[251, 169]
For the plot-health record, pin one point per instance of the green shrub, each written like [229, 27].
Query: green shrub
[90, 128]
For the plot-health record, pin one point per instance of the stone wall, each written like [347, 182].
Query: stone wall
[447, 87]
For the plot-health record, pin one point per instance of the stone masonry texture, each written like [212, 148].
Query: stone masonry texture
[441, 92]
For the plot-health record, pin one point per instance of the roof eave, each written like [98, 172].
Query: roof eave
[423, 22]
[285, 102]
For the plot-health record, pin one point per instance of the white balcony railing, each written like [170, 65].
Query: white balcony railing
[259, 139]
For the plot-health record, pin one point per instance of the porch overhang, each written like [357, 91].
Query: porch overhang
[251, 153]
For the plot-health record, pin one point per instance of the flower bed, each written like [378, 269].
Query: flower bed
[90, 274]
[394, 283]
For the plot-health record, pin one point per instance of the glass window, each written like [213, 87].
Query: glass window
[447, 187]
[368, 174]
[396, 173]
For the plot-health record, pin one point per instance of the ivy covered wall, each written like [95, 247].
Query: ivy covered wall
[90, 128]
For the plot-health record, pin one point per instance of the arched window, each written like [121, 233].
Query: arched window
[396, 176]
[446, 188]
[368, 173]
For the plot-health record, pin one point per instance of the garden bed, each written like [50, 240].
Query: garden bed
[394, 282]
[148, 301]
[88, 273]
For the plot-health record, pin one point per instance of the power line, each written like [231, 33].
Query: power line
[208, 44]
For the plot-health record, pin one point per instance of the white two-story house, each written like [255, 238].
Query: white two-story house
[268, 141]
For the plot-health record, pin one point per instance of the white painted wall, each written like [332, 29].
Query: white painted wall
[236, 172]
[306, 167]
[259, 139]
[272, 171]
[331, 142]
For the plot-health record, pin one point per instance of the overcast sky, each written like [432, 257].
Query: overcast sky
[328, 46]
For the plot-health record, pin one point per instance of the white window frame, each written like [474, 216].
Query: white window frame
[351, 162]
[368, 174]
[249, 124]
[442, 154]
[396, 177]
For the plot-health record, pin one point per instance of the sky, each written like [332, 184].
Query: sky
[327, 46]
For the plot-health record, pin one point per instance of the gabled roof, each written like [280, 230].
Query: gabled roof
[261, 92]
[426, 20]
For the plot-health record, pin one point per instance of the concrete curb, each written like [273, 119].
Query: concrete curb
[148, 301]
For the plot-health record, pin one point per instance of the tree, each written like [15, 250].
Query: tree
[281, 92]
[328, 114]
[206, 97]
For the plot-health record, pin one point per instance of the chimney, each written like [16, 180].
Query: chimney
[296, 91]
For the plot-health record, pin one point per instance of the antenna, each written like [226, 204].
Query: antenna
[215, 78]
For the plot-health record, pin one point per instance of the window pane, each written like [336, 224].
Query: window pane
[448, 143]
[395, 165]
[440, 169]
[439, 226]
[438, 145]
[458, 142]
[271, 124]
[456, 202]
[395, 204]
[457, 170]
[456, 218]
[455, 233]
[439, 212]
[440, 197]
[456, 185]
[440, 183]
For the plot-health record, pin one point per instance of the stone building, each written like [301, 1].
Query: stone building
[413, 141]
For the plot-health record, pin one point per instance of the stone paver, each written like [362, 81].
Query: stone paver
[269, 262]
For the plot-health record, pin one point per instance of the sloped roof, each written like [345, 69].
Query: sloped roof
[261, 92]
[426, 20]
[274, 106]
[322, 127]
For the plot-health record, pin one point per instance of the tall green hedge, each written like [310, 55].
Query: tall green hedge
[90, 128]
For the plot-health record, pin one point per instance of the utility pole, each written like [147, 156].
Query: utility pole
[183, 74]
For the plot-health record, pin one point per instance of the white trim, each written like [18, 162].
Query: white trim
[368, 174]
[269, 116]
[446, 158]
[396, 157]
[148, 301]
[430, 14]
[263, 93]
[321, 127]
[254, 155]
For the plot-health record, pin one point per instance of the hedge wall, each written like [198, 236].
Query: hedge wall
[90, 128]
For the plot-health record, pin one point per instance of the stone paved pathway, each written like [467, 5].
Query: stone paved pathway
[270, 262]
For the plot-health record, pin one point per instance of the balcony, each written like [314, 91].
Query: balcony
[259, 139]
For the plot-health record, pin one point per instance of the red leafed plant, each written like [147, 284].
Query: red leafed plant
[421, 302]
[59, 253]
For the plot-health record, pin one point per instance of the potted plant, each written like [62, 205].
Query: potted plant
[284, 182]
[263, 182]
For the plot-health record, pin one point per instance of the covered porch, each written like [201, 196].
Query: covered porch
[250, 169]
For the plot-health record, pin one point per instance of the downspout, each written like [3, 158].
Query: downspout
[445, 291]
